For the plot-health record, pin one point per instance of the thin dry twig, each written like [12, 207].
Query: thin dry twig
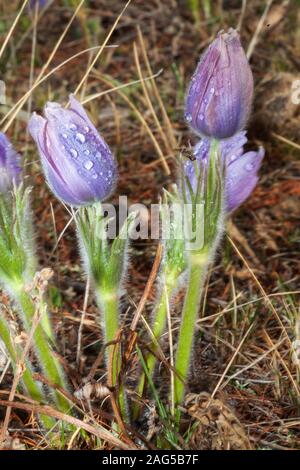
[260, 24]
[265, 295]
[10, 32]
[82, 318]
[231, 362]
[47, 410]
[148, 288]
[91, 66]
[20, 366]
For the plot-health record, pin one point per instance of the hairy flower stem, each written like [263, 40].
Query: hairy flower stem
[157, 330]
[198, 270]
[49, 363]
[108, 301]
[28, 382]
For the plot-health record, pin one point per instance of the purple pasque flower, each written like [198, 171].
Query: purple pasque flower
[220, 95]
[78, 164]
[240, 168]
[10, 169]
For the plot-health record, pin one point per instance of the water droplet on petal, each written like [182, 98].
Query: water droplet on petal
[80, 137]
[73, 127]
[232, 157]
[212, 90]
[87, 129]
[201, 116]
[74, 153]
[88, 164]
[64, 136]
[95, 176]
[188, 117]
[87, 152]
[249, 166]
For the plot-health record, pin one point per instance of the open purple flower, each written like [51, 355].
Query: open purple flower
[10, 169]
[241, 168]
[78, 164]
[220, 94]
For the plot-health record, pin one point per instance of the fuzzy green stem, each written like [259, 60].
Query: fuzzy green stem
[108, 301]
[198, 270]
[27, 380]
[49, 363]
[157, 330]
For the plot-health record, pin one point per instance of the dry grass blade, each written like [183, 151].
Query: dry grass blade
[91, 66]
[149, 102]
[231, 362]
[148, 287]
[47, 410]
[265, 295]
[255, 37]
[87, 99]
[290, 375]
[144, 123]
[44, 68]
[19, 371]
[286, 141]
[10, 32]
[252, 364]
[167, 121]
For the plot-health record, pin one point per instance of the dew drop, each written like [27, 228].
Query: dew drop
[80, 137]
[95, 176]
[74, 153]
[73, 127]
[88, 165]
[232, 158]
[188, 117]
[249, 166]
[87, 129]
[212, 90]
[201, 116]
[64, 136]
[87, 152]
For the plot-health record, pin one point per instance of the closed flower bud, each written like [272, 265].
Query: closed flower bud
[9, 164]
[240, 168]
[78, 165]
[219, 99]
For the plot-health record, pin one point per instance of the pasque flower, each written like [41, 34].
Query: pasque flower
[9, 164]
[220, 94]
[78, 164]
[240, 168]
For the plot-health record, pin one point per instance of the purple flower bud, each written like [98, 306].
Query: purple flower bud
[9, 164]
[241, 168]
[219, 99]
[78, 164]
